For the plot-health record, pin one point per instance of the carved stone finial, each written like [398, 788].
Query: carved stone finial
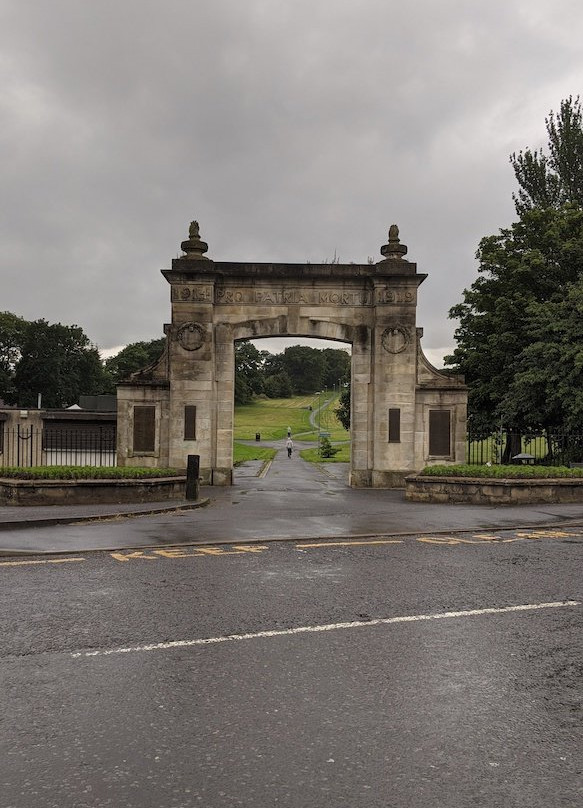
[394, 250]
[194, 247]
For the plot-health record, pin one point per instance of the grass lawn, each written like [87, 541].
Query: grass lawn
[271, 418]
[242, 452]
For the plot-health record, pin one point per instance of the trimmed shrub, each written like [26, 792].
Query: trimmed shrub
[84, 473]
[502, 472]
[326, 448]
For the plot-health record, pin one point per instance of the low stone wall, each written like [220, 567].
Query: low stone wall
[483, 491]
[90, 492]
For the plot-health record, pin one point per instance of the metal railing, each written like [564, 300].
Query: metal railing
[26, 446]
[552, 449]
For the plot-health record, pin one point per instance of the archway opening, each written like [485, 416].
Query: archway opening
[292, 387]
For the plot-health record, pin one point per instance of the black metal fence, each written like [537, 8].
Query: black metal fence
[552, 449]
[56, 446]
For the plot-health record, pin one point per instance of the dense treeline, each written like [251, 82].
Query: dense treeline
[60, 363]
[297, 370]
[57, 362]
[520, 333]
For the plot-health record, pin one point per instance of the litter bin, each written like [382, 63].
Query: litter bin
[257, 436]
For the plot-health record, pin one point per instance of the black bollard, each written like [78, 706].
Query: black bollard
[192, 475]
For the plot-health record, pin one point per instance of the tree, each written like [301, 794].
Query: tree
[60, 363]
[547, 389]
[343, 409]
[12, 331]
[305, 368]
[552, 181]
[527, 276]
[326, 448]
[533, 263]
[248, 371]
[134, 357]
[278, 386]
[336, 367]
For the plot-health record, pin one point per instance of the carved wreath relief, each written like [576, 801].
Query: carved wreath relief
[395, 339]
[191, 336]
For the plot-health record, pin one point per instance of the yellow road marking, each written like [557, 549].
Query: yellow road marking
[187, 552]
[129, 556]
[487, 536]
[44, 561]
[447, 540]
[544, 534]
[350, 543]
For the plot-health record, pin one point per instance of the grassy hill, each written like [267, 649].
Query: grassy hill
[271, 418]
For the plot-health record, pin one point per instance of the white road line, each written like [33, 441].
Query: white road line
[412, 618]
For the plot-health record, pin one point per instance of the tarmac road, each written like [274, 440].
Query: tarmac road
[425, 672]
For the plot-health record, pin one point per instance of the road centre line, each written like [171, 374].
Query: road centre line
[43, 561]
[412, 618]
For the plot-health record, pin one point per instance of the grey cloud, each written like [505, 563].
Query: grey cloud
[291, 130]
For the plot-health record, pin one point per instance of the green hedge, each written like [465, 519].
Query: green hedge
[84, 473]
[503, 472]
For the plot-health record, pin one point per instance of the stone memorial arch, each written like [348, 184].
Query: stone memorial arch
[405, 414]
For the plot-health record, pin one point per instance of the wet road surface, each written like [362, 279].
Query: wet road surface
[293, 500]
[429, 670]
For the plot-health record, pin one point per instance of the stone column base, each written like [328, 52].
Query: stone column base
[222, 476]
[390, 479]
[360, 478]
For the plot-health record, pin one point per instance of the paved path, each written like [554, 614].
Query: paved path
[293, 500]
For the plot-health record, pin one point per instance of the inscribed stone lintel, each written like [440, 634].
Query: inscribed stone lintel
[284, 297]
[306, 297]
[193, 293]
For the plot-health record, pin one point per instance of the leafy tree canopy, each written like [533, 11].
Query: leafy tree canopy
[305, 367]
[336, 367]
[528, 266]
[134, 357]
[249, 375]
[553, 179]
[59, 362]
[519, 319]
[343, 408]
[547, 388]
[278, 386]
[298, 369]
[12, 332]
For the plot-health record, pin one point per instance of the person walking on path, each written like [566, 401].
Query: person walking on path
[289, 445]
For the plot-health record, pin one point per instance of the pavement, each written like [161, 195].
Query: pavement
[288, 499]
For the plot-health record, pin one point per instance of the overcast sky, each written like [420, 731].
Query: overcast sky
[292, 130]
